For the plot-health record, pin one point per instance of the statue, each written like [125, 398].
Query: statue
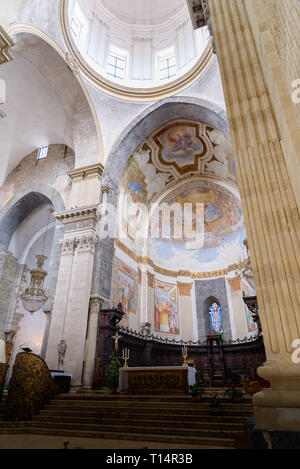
[62, 347]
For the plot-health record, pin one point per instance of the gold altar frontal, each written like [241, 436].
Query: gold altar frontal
[161, 380]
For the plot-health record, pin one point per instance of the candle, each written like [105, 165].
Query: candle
[2, 351]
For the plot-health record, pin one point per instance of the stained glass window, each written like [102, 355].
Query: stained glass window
[215, 317]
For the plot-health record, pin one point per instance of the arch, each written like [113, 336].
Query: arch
[147, 122]
[22, 204]
[48, 57]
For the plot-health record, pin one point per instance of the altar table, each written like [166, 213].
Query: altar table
[160, 379]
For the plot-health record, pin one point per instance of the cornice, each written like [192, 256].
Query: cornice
[87, 171]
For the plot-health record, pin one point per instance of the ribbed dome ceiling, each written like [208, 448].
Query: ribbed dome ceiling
[148, 12]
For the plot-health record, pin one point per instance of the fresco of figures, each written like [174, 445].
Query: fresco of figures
[125, 287]
[166, 315]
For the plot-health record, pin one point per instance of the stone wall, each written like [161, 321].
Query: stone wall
[12, 276]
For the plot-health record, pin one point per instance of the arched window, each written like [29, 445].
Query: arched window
[215, 317]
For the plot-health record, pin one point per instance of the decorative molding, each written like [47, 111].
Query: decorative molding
[67, 246]
[234, 283]
[5, 44]
[185, 289]
[172, 273]
[72, 64]
[106, 185]
[150, 279]
[79, 219]
[87, 172]
[127, 93]
[86, 243]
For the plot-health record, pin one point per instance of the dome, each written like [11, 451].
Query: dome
[135, 44]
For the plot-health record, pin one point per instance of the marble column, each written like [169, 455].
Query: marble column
[71, 303]
[91, 341]
[262, 120]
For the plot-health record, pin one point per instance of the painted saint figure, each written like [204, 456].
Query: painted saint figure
[215, 316]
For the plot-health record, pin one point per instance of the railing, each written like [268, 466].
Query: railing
[166, 340]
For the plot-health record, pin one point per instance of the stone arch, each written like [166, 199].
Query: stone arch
[134, 134]
[50, 60]
[153, 117]
[22, 204]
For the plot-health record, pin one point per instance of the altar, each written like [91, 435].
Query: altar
[161, 379]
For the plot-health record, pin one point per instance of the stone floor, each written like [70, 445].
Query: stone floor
[57, 442]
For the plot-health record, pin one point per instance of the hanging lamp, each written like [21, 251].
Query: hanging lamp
[35, 297]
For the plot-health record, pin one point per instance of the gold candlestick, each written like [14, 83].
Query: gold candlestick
[185, 355]
[125, 357]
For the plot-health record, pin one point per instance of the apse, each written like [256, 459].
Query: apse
[167, 266]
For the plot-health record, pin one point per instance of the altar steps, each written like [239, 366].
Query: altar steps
[162, 419]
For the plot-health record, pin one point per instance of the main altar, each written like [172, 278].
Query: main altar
[159, 379]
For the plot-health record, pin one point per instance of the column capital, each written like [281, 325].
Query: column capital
[185, 288]
[106, 185]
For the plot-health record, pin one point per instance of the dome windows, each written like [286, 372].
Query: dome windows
[154, 48]
[167, 66]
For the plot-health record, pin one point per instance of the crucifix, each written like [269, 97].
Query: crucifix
[116, 337]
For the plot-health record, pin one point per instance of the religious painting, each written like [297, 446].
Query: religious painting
[180, 144]
[215, 318]
[166, 315]
[125, 287]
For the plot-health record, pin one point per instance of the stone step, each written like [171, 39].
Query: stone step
[204, 441]
[142, 398]
[204, 424]
[121, 404]
[143, 415]
[131, 429]
[146, 410]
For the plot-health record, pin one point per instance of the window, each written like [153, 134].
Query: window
[215, 317]
[167, 67]
[75, 27]
[116, 65]
[43, 153]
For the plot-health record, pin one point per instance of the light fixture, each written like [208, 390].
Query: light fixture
[35, 297]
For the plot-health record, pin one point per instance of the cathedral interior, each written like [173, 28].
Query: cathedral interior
[149, 224]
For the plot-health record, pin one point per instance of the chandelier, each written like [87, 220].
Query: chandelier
[35, 297]
[244, 268]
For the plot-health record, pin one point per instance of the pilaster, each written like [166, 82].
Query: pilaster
[71, 303]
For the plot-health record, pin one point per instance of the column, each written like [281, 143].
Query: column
[91, 341]
[71, 303]
[253, 79]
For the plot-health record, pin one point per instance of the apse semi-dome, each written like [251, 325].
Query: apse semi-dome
[137, 48]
